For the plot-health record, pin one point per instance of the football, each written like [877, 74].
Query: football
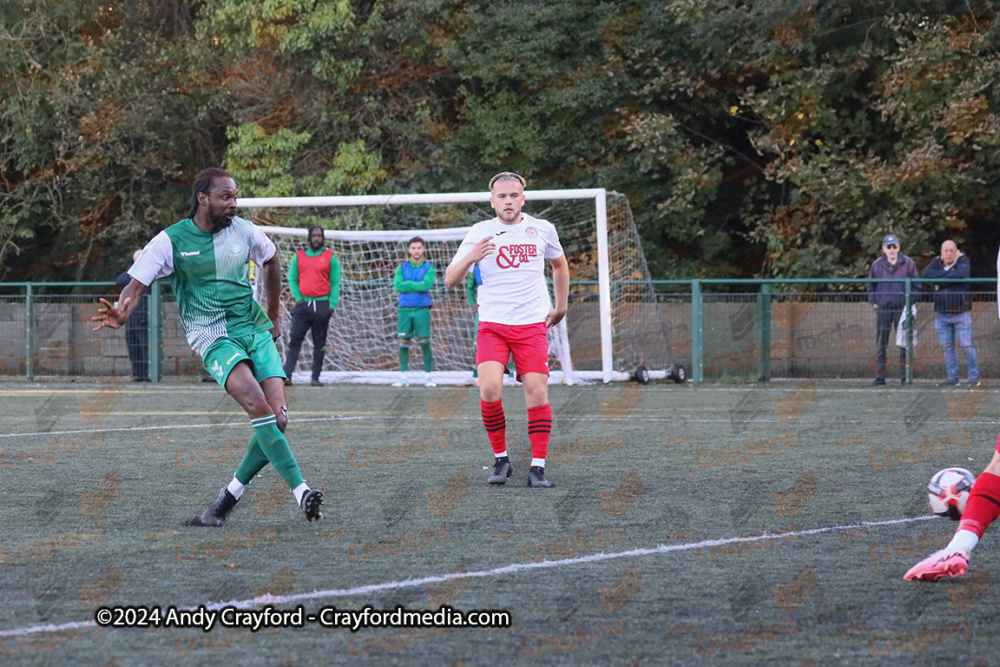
[948, 491]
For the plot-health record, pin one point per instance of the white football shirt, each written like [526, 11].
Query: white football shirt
[513, 289]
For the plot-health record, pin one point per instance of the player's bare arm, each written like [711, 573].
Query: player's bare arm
[271, 270]
[110, 316]
[560, 282]
[456, 271]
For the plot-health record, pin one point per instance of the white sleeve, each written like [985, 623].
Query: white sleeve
[261, 247]
[553, 249]
[156, 260]
[470, 241]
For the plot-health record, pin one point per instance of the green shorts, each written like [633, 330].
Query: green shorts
[414, 322]
[222, 356]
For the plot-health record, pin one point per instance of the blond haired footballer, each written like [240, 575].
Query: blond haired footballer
[511, 250]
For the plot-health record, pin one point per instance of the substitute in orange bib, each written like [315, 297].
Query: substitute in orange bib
[514, 314]
[314, 281]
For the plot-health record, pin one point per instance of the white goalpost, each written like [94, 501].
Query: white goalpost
[369, 235]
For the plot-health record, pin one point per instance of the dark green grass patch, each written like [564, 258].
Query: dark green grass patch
[100, 488]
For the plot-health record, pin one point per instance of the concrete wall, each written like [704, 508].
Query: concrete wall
[808, 339]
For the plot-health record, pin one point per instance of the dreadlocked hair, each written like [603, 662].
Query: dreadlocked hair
[203, 185]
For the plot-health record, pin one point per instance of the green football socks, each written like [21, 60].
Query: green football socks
[425, 347]
[269, 445]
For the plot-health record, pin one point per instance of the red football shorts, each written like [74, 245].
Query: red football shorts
[528, 343]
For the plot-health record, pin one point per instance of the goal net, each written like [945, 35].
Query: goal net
[369, 235]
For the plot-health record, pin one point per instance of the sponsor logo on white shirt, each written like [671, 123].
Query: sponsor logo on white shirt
[512, 256]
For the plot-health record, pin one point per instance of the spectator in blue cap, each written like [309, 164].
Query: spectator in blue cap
[888, 300]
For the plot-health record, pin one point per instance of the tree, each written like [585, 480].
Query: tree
[753, 139]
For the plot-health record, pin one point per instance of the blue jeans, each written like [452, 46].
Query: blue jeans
[950, 328]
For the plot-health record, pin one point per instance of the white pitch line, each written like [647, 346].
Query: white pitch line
[129, 428]
[664, 420]
[508, 569]
[778, 385]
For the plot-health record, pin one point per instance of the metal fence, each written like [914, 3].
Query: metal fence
[46, 329]
[728, 330]
[764, 329]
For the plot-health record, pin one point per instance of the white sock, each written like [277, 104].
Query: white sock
[964, 540]
[501, 454]
[299, 491]
[236, 488]
[537, 463]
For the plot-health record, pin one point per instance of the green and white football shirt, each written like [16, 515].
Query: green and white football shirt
[209, 275]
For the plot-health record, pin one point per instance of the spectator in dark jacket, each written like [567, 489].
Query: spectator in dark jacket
[137, 330]
[888, 300]
[952, 305]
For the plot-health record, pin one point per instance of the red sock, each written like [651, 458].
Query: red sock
[496, 425]
[539, 428]
[983, 506]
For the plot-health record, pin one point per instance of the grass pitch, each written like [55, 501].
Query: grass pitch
[711, 525]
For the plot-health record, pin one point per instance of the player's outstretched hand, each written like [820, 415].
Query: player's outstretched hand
[484, 248]
[554, 317]
[109, 316]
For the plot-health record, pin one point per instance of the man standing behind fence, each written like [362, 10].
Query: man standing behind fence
[888, 300]
[137, 329]
[314, 281]
[952, 304]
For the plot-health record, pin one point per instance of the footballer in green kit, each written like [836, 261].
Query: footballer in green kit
[206, 257]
